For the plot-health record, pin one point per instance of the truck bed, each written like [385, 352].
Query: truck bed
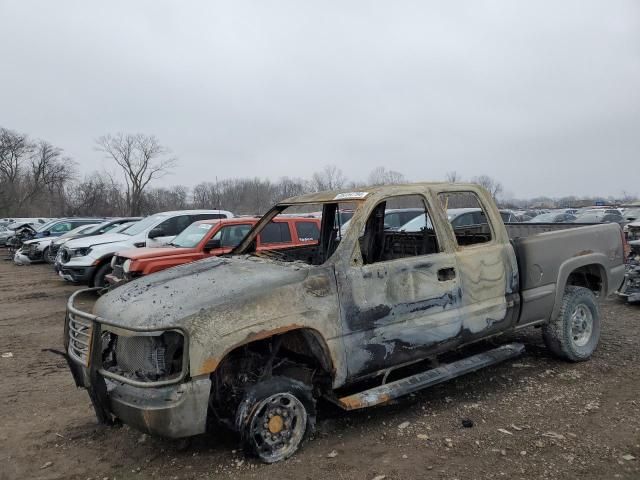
[548, 253]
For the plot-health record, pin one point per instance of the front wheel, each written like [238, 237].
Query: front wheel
[48, 256]
[574, 334]
[274, 417]
[99, 279]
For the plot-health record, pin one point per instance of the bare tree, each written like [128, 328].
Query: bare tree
[382, 176]
[453, 177]
[14, 149]
[96, 194]
[493, 186]
[141, 159]
[329, 178]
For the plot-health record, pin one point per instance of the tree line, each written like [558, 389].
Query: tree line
[38, 179]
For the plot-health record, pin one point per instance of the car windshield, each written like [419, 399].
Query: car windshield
[144, 224]
[44, 226]
[415, 225]
[96, 228]
[77, 230]
[192, 235]
[121, 228]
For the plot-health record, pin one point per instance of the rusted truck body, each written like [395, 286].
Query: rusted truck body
[252, 339]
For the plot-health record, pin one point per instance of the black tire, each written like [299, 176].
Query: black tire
[46, 254]
[289, 405]
[574, 334]
[98, 279]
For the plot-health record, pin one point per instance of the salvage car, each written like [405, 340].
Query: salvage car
[114, 225]
[39, 249]
[57, 227]
[88, 260]
[254, 339]
[208, 238]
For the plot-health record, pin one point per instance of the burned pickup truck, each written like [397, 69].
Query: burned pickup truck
[253, 339]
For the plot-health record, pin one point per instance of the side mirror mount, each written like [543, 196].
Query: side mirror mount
[46, 233]
[156, 232]
[212, 244]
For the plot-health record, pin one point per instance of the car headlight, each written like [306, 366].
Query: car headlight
[80, 252]
[126, 266]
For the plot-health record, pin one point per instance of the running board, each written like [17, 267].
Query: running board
[389, 391]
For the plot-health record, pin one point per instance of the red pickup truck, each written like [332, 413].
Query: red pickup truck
[208, 238]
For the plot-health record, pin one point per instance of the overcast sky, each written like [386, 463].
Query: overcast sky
[544, 96]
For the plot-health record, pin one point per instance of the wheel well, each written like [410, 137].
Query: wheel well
[300, 354]
[588, 276]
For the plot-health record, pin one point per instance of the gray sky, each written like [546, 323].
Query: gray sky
[543, 95]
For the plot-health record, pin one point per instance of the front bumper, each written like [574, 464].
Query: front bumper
[172, 409]
[75, 274]
[19, 258]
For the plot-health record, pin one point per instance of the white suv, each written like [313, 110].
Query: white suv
[88, 260]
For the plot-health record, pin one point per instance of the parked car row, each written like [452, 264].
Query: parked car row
[111, 252]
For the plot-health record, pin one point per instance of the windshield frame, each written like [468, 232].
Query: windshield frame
[243, 247]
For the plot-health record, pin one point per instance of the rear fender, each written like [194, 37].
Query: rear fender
[598, 260]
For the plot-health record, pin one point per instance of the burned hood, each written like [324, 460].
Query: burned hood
[169, 297]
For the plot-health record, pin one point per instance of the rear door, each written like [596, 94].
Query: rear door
[277, 234]
[487, 267]
[400, 293]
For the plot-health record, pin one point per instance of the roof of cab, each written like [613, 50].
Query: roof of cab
[251, 219]
[358, 194]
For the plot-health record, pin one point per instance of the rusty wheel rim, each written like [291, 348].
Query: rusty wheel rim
[278, 426]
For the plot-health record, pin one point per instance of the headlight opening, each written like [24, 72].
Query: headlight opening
[147, 358]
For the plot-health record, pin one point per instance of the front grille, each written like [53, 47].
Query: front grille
[80, 339]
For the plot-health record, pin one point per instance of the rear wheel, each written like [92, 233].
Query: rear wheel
[274, 417]
[574, 334]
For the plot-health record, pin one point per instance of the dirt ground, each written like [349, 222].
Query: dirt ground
[534, 417]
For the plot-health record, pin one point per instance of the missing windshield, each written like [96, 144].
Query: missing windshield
[308, 233]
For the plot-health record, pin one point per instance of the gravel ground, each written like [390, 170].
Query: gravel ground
[534, 417]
